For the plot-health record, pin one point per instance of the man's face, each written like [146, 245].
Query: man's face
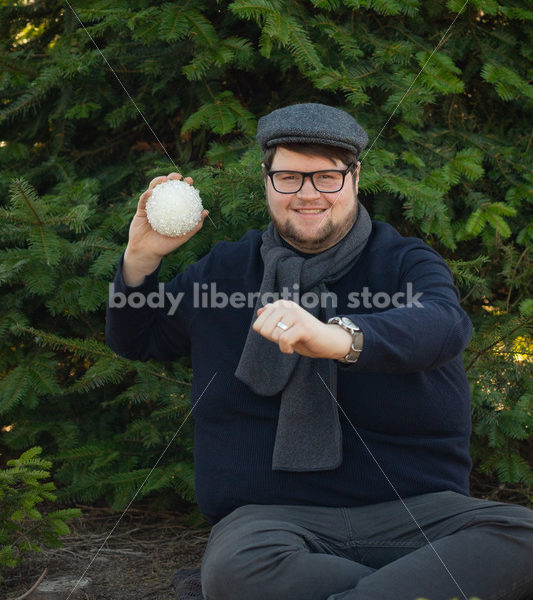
[312, 232]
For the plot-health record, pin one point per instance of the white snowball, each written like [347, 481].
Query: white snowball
[174, 208]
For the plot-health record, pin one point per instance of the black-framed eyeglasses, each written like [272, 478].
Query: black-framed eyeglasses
[326, 180]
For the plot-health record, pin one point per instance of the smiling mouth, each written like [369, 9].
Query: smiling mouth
[310, 211]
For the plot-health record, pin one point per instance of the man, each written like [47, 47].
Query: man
[332, 412]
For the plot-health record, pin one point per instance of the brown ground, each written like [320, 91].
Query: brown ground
[136, 563]
[145, 550]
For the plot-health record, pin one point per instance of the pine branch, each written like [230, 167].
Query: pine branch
[498, 340]
[91, 348]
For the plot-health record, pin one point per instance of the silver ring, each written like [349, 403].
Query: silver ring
[282, 325]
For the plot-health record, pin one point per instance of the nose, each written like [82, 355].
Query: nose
[308, 189]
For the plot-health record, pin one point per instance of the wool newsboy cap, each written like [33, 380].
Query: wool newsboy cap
[311, 123]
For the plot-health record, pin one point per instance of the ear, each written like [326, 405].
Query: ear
[355, 173]
[355, 177]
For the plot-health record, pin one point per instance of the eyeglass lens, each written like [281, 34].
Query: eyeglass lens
[324, 181]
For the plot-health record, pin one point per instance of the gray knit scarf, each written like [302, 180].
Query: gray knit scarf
[308, 436]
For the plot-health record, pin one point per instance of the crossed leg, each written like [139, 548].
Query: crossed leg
[377, 552]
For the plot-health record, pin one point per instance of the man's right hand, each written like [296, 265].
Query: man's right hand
[146, 247]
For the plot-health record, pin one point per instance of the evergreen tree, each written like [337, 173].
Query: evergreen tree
[89, 114]
[23, 527]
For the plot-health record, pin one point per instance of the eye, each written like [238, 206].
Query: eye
[326, 176]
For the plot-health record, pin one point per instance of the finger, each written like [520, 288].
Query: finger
[269, 315]
[289, 339]
[174, 175]
[282, 340]
[271, 329]
[141, 206]
[277, 304]
[265, 311]
[156, 181]
[285, 347]
[188, 180]
[200, 223]
[286, 311]
[268, 306]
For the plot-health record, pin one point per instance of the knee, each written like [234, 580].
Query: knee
[219, 565]
[218, 579]
[523, 521]
[517, 515]
[510, 520]
[237, 573]
[244, 562]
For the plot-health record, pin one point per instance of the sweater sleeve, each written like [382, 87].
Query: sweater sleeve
[145, 321]
[426, 326]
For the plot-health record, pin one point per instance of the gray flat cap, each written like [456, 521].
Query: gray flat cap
[311, 123]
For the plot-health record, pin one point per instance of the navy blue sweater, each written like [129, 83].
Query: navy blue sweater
[407, 396]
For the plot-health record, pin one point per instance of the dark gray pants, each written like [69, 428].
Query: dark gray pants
[377, 552]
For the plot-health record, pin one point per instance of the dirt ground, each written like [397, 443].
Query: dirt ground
[144, 550]
[136, 563]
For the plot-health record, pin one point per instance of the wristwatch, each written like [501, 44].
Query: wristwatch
[357, 338]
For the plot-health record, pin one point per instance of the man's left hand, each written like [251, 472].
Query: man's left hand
[300, 332]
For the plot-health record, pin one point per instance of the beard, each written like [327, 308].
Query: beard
[327, 236]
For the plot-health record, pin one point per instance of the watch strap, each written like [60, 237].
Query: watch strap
[356, 347]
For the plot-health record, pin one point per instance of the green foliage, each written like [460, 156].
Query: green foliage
[23, 527]
[448, 160]
[501, 371]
